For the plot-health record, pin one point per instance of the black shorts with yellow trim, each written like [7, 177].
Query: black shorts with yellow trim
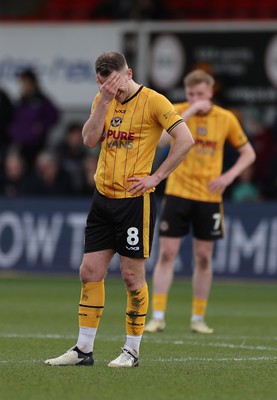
[178, 215]
[125, 225]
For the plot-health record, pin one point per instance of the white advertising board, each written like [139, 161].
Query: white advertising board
[63, 56]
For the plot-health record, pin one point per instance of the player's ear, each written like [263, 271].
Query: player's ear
[130, 73]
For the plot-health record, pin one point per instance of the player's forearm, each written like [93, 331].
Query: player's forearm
[93, 128]
[245, 159]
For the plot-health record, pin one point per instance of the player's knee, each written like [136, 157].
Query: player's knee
[167, 255]
[129, 278]
[85, 273]
[132, 280]
[203, 260]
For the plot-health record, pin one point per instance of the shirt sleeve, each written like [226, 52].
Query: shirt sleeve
[165, 112]
[236, 136]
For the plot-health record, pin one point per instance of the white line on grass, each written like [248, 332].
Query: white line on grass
[163, 360]
[214, 336]
[153, 339]
[204, 359]
[226, 345]
[35, 336]
[147, 339]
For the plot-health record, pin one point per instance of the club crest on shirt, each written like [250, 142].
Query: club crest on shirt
[116, 121]
[201, 130]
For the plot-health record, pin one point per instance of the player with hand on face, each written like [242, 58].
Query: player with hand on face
[128, 119]
[193, 197]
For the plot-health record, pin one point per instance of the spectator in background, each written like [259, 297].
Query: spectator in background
[6, 112]
[72, 152]
[34, 116]
[14, 180]
[89, 168]
[50, 179]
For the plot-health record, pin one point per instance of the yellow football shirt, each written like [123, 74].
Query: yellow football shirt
[204, 161]
[129, 140]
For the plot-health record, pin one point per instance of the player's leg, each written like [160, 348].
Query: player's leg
[134, 235]
[98, 252]
[201, 283]
[175, 219]
[162, 280]
[207, 223]
[92, 273]
[133, 273]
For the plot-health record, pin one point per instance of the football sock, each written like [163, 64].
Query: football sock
[90, 311]
[86, 339]
[198, 308]
[159, 303]
[132, 344]
[137, 305]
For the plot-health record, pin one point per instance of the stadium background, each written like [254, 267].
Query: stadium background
[236, 41]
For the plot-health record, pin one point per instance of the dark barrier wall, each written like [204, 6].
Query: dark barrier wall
[47, 236]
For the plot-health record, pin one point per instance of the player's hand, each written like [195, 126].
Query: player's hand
[110, 86]
[219, 184]
[202, 107]
[142, 184]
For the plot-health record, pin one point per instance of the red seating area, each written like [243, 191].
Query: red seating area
[59, 10]
[84, 10]
[223, 9]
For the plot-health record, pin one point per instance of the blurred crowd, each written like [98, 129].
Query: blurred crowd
[31, 165]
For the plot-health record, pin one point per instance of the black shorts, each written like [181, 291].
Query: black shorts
[178, 214]
[124, 225]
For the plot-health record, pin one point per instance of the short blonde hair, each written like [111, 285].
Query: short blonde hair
[198, 76]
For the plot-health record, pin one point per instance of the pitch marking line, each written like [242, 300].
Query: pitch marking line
[35, 336]
[146, 337]
[232, 359]
[241, 346]
[163, 360]
[213, 344]
[226, 345]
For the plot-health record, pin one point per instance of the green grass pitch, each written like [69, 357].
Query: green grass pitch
[238, 362]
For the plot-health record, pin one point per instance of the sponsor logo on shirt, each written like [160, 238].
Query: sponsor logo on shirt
[119, 139]
[203, 146]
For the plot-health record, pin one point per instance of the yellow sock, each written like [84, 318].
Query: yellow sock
[137, 305]
[159, 302]
[91, 304]
[199, 306]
